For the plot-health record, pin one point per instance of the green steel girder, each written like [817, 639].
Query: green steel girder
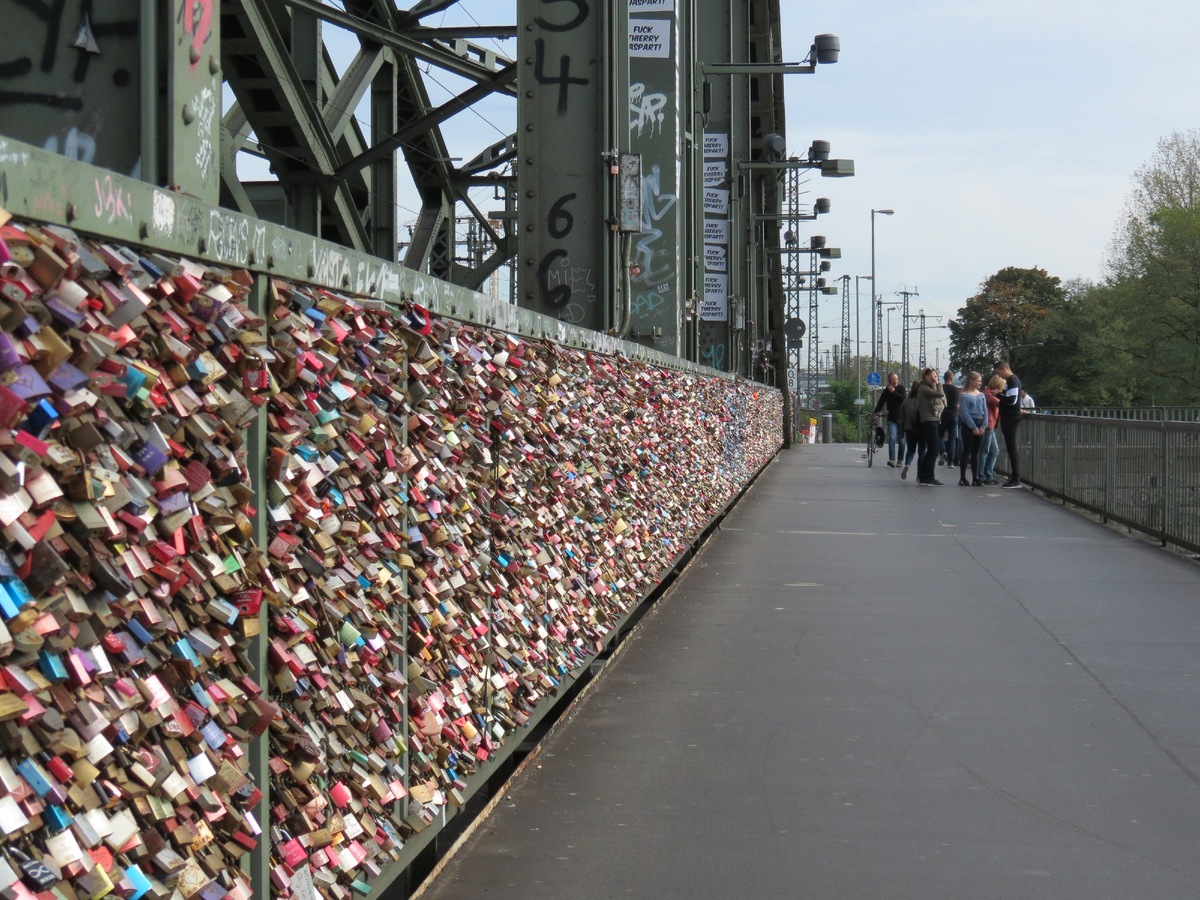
[379, 12]
[428, 121]
[351, 88]
[408, 43]
[282, 112]
[427, 8]
[500, 152]
[308, 132]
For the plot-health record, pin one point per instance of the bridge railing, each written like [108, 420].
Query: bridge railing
[1135, 413]
[1143, 474]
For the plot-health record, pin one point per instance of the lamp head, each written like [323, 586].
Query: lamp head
[825, 48]
[883, 212]
[837, 168]
[774, 147]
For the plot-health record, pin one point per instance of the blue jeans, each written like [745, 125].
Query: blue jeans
[989, 453]
[951, 441]
[894, 438]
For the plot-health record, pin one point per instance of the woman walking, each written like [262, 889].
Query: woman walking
[910, 422]
[972, 425]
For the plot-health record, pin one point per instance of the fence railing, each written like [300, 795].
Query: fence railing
[1143, 474]
[1136, 413]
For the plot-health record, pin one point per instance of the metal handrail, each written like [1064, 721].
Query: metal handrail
[1142, 474]
[1133, 413]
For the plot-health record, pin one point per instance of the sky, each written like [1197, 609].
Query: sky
[1002, 134]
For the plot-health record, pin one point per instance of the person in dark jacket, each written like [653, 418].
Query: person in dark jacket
[910, 426]
[931, 400]
[892, 397]
[949, 432]
[1010, 421]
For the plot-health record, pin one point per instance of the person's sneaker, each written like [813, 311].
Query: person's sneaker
[942, 460]
[904, 472]
[1012, 485]
[935, 481]
[891, 464]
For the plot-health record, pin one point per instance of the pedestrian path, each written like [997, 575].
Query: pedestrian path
[863, 688]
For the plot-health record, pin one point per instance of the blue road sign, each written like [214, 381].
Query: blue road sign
[873, 379]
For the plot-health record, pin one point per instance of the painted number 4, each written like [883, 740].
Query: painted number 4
[563, 79]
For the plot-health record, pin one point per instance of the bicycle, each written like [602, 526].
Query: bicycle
[875, 438]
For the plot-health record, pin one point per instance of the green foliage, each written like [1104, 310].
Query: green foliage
[1155, 274]
[997, 322]
[1080, 361]
[839, 400]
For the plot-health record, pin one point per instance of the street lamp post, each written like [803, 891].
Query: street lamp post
[874, 292]
[858, 345]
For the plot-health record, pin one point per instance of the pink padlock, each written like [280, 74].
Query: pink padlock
[340, 795]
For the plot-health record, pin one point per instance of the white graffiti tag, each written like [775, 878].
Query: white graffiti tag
[646, 110]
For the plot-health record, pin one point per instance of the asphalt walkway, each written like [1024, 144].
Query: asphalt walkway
[862, 688]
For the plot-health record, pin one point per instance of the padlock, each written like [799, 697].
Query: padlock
[34, 873]
[291, 851]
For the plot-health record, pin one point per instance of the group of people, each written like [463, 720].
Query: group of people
[940, 423]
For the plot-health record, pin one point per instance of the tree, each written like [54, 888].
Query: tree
[1076, 355]
[998, 321]
[1169, 180]
[1154, 266]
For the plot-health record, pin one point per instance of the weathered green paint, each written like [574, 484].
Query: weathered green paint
[561, 137]
[258, 867]
[81, 101]
[193, 109]
[716, 338]
[43, 186]
[657, 105]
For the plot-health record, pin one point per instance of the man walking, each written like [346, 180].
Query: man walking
[892, 397]
[951, 444]
[1010, 421]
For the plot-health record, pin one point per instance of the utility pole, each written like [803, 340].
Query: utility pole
[921, 348]
[906, 294]
[845, 327]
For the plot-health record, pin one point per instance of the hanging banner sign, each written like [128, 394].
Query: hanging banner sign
[715, 305]
[716, 201]
[716, 146]
[650, 38]
[716, 231]
[715, 173]
[715, 258]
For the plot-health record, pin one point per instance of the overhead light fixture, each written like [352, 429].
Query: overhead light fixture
[824, 51]
[837, 168]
